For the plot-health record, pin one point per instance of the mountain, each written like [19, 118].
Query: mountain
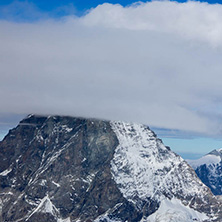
[66, 169]
[209, 170]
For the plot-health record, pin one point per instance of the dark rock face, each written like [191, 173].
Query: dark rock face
[63, 163]
[213, 181]
[209, 170]
[58, 169]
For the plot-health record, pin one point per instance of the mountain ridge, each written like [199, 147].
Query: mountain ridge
[68, 169]
[209, 170]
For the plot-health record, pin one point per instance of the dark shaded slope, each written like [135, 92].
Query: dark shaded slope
[59, 169]
[209, 170]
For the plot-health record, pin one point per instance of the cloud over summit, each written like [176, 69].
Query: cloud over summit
[158, 63]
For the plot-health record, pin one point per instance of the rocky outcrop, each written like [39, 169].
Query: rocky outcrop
[66, 169]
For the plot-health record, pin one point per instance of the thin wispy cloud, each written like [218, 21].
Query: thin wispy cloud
[156, 63]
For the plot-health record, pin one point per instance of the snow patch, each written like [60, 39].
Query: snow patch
[64, 220]
[84, 159]
[106, 218]
[45, 206]
[58, 185]
[43, 182]
[207, 159]
[6, 172]
[66, 128]
[174, 211]
[7, 193]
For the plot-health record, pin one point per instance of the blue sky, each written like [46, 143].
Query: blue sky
[50, 5]
[192, 148]
[58, 8]
[158, 63]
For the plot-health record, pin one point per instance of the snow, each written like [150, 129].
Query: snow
[7, 193]
[43, 182]
[144, 168]
[66, 128]
[58, 185]
[64, 220]
[48, 208]
[44, 166]
[84, 159]
[45, 206]
[174, 211]
[219, 197]
[5, 172]
[207, 159]
[105, 217]
[208, 169]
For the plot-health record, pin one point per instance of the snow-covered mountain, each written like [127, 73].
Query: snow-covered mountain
[209, 170]
[65, 169]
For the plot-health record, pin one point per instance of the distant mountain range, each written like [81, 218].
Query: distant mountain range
[209, 170]
[66, 169]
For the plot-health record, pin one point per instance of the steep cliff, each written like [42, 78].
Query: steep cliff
[63, 169]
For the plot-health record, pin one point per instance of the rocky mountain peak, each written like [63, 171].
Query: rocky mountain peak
[66, 169]
[216, 152]
[209, 170]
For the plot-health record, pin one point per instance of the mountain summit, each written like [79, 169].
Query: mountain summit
[65, 169]
[209, 170]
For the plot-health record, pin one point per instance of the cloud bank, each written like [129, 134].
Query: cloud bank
[157, 63]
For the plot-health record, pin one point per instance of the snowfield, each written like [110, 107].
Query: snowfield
[174, 211]
[207, 159]
[144, 168]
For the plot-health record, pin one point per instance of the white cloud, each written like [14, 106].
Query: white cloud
[157, 63]
[191, 20]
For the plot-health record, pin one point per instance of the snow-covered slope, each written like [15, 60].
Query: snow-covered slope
[145, 169]
[209, 170]
[174, 211]
[65, 169]
[208, 160]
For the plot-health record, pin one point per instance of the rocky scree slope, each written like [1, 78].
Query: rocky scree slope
[65, 169]
[209, 170]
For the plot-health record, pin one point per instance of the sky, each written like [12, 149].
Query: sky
[156, 63]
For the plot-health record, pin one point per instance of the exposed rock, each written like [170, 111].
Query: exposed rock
[209, 170]
[64, 169]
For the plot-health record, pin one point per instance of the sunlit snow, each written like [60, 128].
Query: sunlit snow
[208, 159]
[174, 211]
[5, 172]
[144, 168]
